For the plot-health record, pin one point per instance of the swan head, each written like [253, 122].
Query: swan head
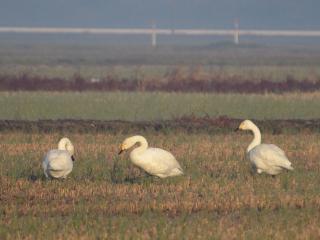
[66, 144]
[131, 141]
[246, 125]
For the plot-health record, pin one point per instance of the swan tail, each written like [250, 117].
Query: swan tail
[177, 172]
[289, 168]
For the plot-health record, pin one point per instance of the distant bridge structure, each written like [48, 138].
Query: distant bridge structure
[236, 33]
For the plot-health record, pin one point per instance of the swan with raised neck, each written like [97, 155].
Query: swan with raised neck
[267, 158]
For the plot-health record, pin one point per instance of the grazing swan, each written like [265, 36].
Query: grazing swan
[154, 161]
[266, 158]
[58, 163]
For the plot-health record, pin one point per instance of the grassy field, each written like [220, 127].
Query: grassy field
[139, 106]
[249, 61]
[106, 197]
[158, 72]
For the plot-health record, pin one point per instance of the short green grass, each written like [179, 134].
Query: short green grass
[136, 106]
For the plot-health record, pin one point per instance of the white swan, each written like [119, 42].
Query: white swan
[266, 158]
[58, 163]
[154, 161]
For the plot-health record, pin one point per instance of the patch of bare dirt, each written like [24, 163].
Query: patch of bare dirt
[188, 124]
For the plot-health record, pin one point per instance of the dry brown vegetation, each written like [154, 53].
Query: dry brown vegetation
[186, 124]
[106, 197]
[173, 81]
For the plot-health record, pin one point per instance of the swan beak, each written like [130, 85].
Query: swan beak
[121, 150]
[237, 129]
[72, 158]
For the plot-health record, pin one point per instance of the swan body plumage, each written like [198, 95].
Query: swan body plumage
[267, 158]
[58, 163]
[155, 161]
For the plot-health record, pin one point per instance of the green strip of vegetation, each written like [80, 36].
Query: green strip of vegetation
[137, 106]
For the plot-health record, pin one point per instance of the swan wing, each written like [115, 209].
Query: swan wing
[159, 162]
[164, 156]
[265, 156]
[57, 163]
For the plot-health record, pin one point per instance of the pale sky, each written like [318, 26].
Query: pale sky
[268, 14]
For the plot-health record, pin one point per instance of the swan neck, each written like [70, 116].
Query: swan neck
[143, 144]
[256, 138]
[65, 144]
[62, 145]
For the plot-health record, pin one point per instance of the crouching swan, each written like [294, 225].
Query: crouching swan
[154, 161]
[58, 163]
[266, 158]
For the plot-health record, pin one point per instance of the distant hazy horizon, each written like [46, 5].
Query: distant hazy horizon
[271, 14]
